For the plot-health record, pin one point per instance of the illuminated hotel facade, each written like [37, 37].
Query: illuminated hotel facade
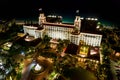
[63, 31]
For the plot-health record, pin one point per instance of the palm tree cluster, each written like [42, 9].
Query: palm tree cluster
[111, 38]
[110, 44]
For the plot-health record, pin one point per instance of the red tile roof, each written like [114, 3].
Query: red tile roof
[60, 25]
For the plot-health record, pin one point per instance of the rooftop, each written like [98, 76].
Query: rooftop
[72, 49]
[36, 26]
[59, 24]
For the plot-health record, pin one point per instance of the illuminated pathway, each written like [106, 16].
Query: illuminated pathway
[27, 70]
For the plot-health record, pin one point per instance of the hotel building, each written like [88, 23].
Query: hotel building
[59, 30]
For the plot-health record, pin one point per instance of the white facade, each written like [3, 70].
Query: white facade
[39, 33]
[63, 31]
[58, 30]
[91, 39]
[75, 39]
[32, 31]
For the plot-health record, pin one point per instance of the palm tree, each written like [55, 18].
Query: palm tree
[105, 66]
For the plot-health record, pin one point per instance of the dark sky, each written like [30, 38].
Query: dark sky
[103, 9]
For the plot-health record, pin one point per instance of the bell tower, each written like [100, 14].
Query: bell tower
[77, 21]
[42, 17]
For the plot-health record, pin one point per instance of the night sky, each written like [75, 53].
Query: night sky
[107, 10]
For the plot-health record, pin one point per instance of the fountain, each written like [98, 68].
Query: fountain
[37, 69]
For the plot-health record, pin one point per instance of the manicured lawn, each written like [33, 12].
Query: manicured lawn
[79, 74]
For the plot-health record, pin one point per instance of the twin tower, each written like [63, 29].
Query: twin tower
[77, 21]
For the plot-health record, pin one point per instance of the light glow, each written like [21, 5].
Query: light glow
[83, 55]
[93, 52]
[81, 18]
[89, 18]
[38, 67]
[22, 53]
[96, 19]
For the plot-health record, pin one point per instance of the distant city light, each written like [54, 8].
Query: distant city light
[53, 16]
[89, 18]
[59, 16]
[96, 19]
[81, 18]
[40, 9]
[92, 18]
[49, 16]
[77, 11]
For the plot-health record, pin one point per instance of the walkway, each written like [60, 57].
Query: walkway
[27, 70]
